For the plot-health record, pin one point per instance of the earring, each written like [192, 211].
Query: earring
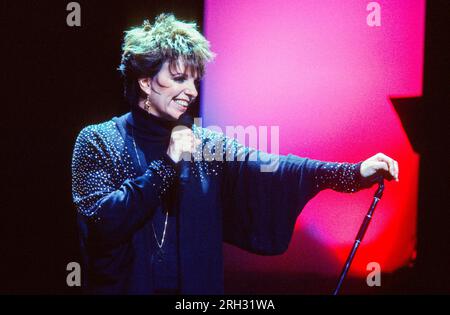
[147, 104]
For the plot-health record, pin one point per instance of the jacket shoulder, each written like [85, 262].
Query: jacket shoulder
[105, 129]
[103, 138]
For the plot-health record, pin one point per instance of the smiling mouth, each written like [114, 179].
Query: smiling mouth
[182, 104]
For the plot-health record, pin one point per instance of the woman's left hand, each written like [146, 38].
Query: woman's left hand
[378, 162]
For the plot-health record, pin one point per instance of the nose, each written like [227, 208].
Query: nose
[191, 90]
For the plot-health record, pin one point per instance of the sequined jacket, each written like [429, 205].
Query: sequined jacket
[227, 198]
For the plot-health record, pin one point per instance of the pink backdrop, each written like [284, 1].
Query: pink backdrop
[317, 70]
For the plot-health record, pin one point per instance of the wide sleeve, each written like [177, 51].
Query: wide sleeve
[114, 207]
[263, 194]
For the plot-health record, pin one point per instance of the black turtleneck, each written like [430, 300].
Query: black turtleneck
[150, 131]
[151, 135]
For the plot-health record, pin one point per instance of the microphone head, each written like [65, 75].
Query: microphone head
[185, 120]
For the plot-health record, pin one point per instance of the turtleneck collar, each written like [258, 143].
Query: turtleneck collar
[149, 124]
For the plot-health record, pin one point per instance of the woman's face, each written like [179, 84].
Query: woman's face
[172, 90]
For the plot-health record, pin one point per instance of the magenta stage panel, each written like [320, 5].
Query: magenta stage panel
[324, 72]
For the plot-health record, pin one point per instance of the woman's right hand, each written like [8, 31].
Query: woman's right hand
[182, 140]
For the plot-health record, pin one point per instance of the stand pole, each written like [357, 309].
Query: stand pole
[362, 231]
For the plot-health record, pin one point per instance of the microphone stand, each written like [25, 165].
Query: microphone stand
[360, 235]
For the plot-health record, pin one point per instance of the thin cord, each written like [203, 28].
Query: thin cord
[160, 245]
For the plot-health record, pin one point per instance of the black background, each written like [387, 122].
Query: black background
[57, 79]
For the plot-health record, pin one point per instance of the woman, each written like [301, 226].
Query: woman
[145, 231]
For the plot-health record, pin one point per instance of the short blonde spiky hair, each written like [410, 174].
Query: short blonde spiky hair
[145, 48]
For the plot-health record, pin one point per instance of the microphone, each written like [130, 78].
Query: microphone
[185, 120]
[188, 121]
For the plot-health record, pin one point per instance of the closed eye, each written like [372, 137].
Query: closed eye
[180, 78]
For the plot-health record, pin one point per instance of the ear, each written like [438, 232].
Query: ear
[145, 85]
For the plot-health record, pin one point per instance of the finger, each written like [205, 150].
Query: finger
[391, 167]
[389, 161]
[396, 170]
[378, 157]
[176, 136]
[380, 166]
[377, 166]
[186, 139]
[182, 131]
[186, 145]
